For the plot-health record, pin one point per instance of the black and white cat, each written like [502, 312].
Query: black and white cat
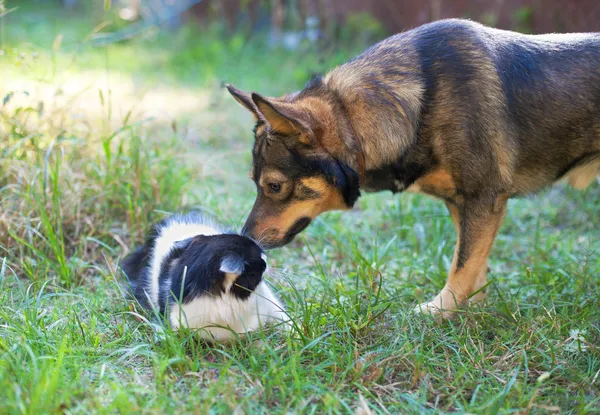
[203, 276]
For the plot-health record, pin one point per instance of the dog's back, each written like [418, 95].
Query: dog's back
[527, 105]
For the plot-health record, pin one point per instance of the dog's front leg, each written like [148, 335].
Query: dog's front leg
[482, 277]
[477, 223]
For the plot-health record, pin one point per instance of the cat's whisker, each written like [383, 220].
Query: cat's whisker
[261, 236]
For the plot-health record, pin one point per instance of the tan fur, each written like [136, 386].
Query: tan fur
[439, 183]
[260, 130]
[455, 215]
[582, 176]
[481, 279]
[464, 281]
[317, 184]
[383, 131]
[272, 112]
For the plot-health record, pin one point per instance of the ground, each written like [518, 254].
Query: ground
[107, 140]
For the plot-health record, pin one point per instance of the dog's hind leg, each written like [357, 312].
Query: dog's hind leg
[477, 223]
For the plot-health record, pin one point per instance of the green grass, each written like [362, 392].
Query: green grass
[78, 188]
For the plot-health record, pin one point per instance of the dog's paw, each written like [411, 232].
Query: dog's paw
[434, 308]
[478, 298]
[446, 304]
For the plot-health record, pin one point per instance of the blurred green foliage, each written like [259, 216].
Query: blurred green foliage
[523, 19]
[199, 54]
[361, 28]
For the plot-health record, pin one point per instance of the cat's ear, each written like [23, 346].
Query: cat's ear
[232, 264]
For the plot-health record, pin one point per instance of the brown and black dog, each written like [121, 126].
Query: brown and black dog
[466, 113]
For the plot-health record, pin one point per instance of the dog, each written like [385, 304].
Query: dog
[466, 113]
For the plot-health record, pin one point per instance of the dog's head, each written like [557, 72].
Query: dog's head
[300, 163]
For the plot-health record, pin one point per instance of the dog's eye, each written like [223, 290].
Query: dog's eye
[275, 187]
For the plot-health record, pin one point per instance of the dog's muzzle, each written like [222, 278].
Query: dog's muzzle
[272, 238]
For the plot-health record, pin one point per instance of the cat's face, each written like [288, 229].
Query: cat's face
[216, 265]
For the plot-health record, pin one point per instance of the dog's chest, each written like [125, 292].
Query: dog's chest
[383, 181]
[437, 182]
[396, 178]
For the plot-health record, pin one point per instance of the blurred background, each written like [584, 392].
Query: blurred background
[247, 42]
[150, 47]
[201, 41]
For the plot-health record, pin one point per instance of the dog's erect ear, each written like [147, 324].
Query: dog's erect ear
[244, 99]
[283, 118]
[232, 264]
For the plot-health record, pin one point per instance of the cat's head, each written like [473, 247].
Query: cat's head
[216, 265]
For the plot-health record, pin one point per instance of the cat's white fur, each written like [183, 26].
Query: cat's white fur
[235, 315]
